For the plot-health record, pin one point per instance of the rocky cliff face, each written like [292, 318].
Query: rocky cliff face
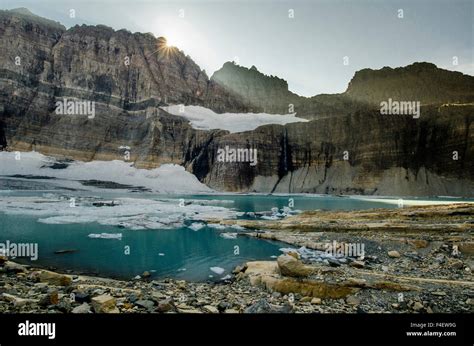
[348, 147]
[361, 153]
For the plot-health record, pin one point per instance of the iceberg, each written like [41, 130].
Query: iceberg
[217, 270]
[106, 236]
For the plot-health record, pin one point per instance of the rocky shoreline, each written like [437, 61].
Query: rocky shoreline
[415, 260]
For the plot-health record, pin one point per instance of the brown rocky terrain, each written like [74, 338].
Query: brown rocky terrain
[348, 147]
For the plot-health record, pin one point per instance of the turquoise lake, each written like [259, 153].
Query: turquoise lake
[178, 252]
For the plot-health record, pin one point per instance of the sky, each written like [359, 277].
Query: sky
[315, 45]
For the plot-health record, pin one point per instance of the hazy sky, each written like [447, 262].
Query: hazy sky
[307, 50]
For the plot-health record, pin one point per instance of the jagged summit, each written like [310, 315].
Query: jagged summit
[260, 91]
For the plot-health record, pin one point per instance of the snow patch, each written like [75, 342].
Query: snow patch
[202, 118]
[168, 178]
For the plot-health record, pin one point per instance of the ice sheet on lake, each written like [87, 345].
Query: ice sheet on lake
[202, 118]
[130, 213]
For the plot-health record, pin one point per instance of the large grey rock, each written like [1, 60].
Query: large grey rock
[84, 308]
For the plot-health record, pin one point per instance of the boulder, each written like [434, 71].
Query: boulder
[353, 300]
[82, 297]
[84, 308]
[210, 309]
[290, 266]
[104, 304]
[306, 287]
[262, 306]
[53, 278]
[466, 248]
[50, 298]
[147, 304]
[17, 301]
[357, 264]
[10, 266]
[165, 305]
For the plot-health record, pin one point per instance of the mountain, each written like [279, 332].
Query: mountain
[261, 93]
[347, 147]
[421, 81]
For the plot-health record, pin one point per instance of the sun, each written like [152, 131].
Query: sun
[169, 42]
[172, 39]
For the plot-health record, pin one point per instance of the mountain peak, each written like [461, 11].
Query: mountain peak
[27, 15]
[24, 11]
[420, 81]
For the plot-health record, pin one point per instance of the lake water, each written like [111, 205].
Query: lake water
[167, 248]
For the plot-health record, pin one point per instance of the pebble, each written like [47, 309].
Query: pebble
[393, 254]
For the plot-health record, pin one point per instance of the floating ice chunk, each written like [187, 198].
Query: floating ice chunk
[217, 270]
[227, 277]
[273, 217]
[161, 254]
[182, 269]
[229, 235]
[196, 226]
[216, 226]
[238, 227]
[273, 256]
[106, 235]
